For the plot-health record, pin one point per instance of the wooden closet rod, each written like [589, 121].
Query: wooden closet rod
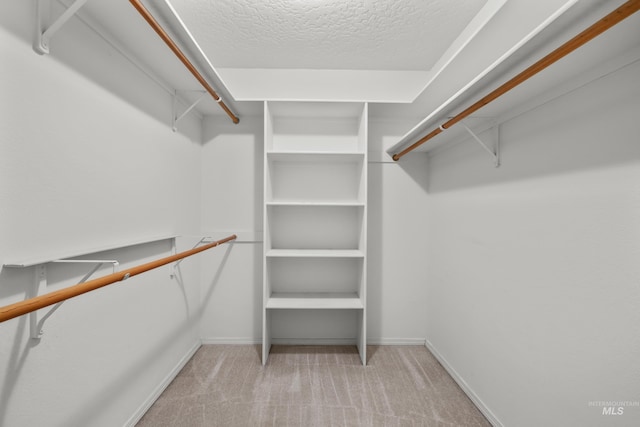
[27, 306]
[622, 12]
[176, 50]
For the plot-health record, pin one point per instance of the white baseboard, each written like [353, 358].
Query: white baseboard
[396, 341]
[139, 413]
[490, 416]
[281, 341]
[231, 340]
[304, 341]
[313, 341]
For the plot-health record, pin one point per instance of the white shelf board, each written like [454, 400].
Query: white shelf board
[338, 203]
[315, 253]
[45, 259]
[315, 156]
[319, 300]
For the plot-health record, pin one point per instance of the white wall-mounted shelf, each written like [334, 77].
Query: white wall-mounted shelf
[328, 203]
[317, 300]
[39, 285]
[30, 262]
[315, 156]
[314, 253]
[315, 214]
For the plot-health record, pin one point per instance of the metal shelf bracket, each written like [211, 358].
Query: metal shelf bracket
[495, 152]
[45, 32]
[40, 285]
[176, 266]
[175, 118]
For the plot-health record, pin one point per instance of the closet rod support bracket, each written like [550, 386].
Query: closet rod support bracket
[176, 266]
[40, 285]
[175, 118]
[45, 32]
[495, 153]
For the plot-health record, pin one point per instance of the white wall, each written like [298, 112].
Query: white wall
[532, 269]
[396, 252]
[83, 166]
[232, 164]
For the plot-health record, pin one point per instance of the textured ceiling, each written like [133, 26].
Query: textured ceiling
[326, 34]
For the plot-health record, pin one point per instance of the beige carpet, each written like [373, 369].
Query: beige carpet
[225, 385]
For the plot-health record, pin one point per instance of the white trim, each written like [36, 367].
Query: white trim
[313, 341]
[231, 341]
[320, 341]
[395, 341]
[490, 416]
[144, 407]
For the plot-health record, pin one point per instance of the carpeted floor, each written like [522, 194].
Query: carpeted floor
[225, 385]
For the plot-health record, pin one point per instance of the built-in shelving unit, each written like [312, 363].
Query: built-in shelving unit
[315, 224]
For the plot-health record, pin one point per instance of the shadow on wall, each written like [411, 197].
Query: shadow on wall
[415, 166]
[389, 198]
[258, 295]
[595, 126]
[214, 282]
[232, 199]
[232, 174]
[102, 401]
[15, 280]
[109, 392]
[85, 52]
[386, 132]
[221, 126]
[374, 251]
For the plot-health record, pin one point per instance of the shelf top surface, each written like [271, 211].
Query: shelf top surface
[73, 254]
[315, 253]
[320, 300]
[337, 203]
[316, 156]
